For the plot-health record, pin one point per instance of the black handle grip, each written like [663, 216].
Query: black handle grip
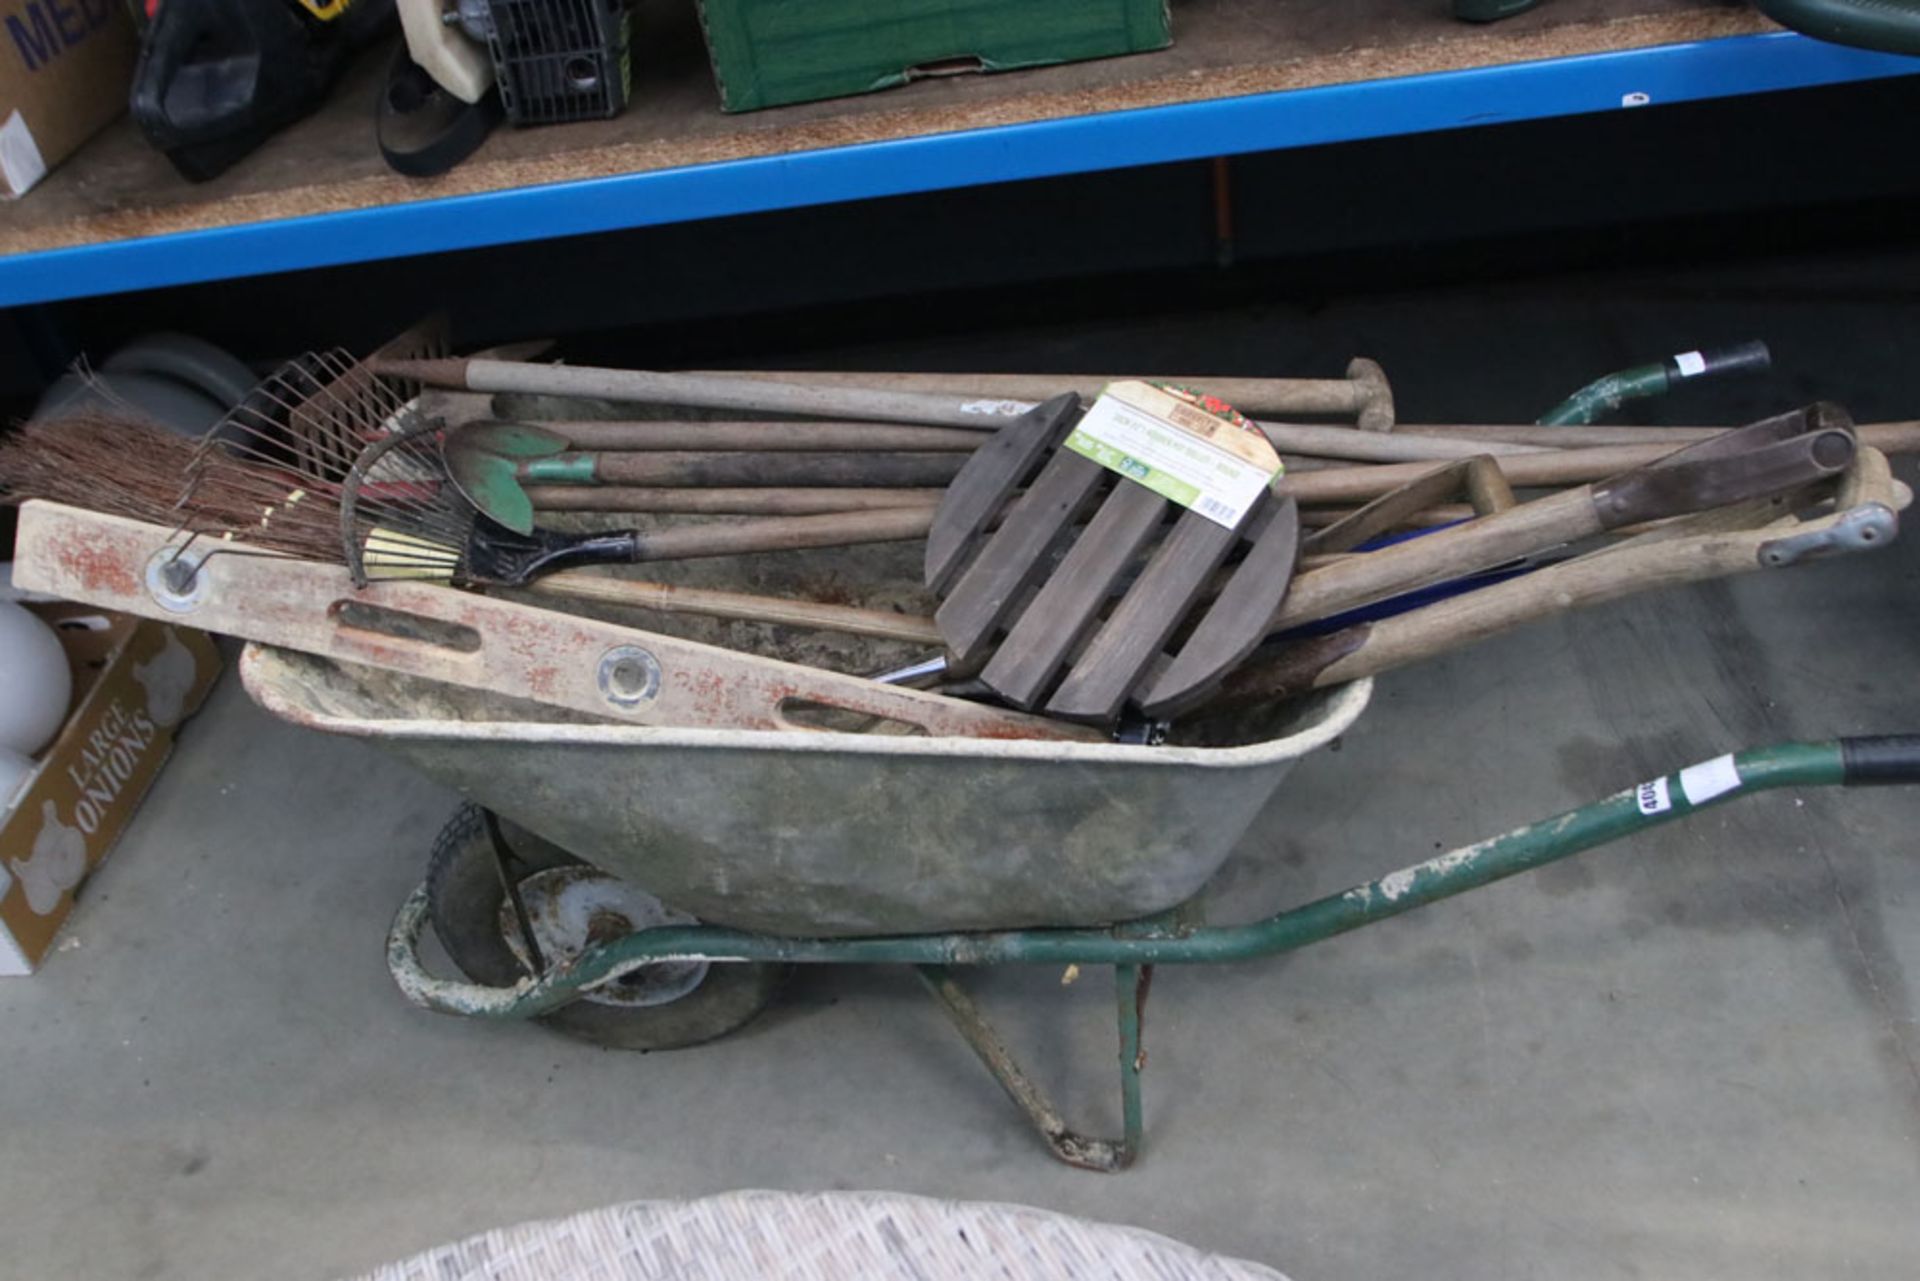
[1881, 758]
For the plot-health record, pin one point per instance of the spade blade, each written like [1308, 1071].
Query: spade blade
[491, 483]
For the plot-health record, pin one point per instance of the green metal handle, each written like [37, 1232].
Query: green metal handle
[1652, 804]
[572, 468]
[1643, 382]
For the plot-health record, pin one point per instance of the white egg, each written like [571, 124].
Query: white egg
[15, 770]
[35, 682]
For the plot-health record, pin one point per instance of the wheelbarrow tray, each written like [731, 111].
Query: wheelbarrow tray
[825, 833]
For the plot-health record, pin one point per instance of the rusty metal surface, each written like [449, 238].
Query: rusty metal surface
[1102, 1156]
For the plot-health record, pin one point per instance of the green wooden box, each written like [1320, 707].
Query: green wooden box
[768, 52]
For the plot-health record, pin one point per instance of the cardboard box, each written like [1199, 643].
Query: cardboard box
[134, 682]
[767, 52]
[65, 69]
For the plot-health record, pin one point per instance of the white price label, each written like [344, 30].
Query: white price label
[1709, 779]
[1178, 450]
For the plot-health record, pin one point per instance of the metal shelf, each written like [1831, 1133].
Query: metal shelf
[1644, 78]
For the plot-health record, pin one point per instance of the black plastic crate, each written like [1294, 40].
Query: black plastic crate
[559, 60]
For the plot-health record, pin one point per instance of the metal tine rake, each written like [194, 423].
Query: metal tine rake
[297, 439]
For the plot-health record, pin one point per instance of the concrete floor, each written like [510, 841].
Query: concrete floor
[1693, 1056]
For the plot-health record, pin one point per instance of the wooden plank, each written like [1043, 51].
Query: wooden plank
[987, 481]
[1237, 620]
[546, 656]
[1070, 603]
[1103, 676]
[118, 187]
[1016, 555]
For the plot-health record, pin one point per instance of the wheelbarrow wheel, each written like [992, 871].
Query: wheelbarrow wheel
[659, 1008]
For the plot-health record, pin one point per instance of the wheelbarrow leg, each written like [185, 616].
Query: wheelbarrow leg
[1107, 1156]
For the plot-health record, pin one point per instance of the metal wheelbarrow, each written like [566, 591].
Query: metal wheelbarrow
[544, 935]
[646, 887]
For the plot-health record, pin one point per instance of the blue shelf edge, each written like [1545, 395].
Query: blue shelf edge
[1655, 76]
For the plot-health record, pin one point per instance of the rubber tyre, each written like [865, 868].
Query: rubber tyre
[464, 897]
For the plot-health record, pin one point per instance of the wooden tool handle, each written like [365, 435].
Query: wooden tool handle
[1523, 471]
[1380, 446]
[782, 470]
[707, 391]
[785, 533]
[1341, 396]
[1479, 477]
[1710, 545]
[724, 502]
[520, 651]
[1439, 556]
[671, 598]
[766, 435]
[1763, 458]
[1888, 438]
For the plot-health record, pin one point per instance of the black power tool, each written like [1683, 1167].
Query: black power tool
[216, 77]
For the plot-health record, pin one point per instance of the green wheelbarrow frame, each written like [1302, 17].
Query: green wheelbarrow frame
[1174, 938]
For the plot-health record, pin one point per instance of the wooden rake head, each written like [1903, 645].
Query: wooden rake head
[1093, 592]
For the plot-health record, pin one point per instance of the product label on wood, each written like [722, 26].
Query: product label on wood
[1191, 450]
